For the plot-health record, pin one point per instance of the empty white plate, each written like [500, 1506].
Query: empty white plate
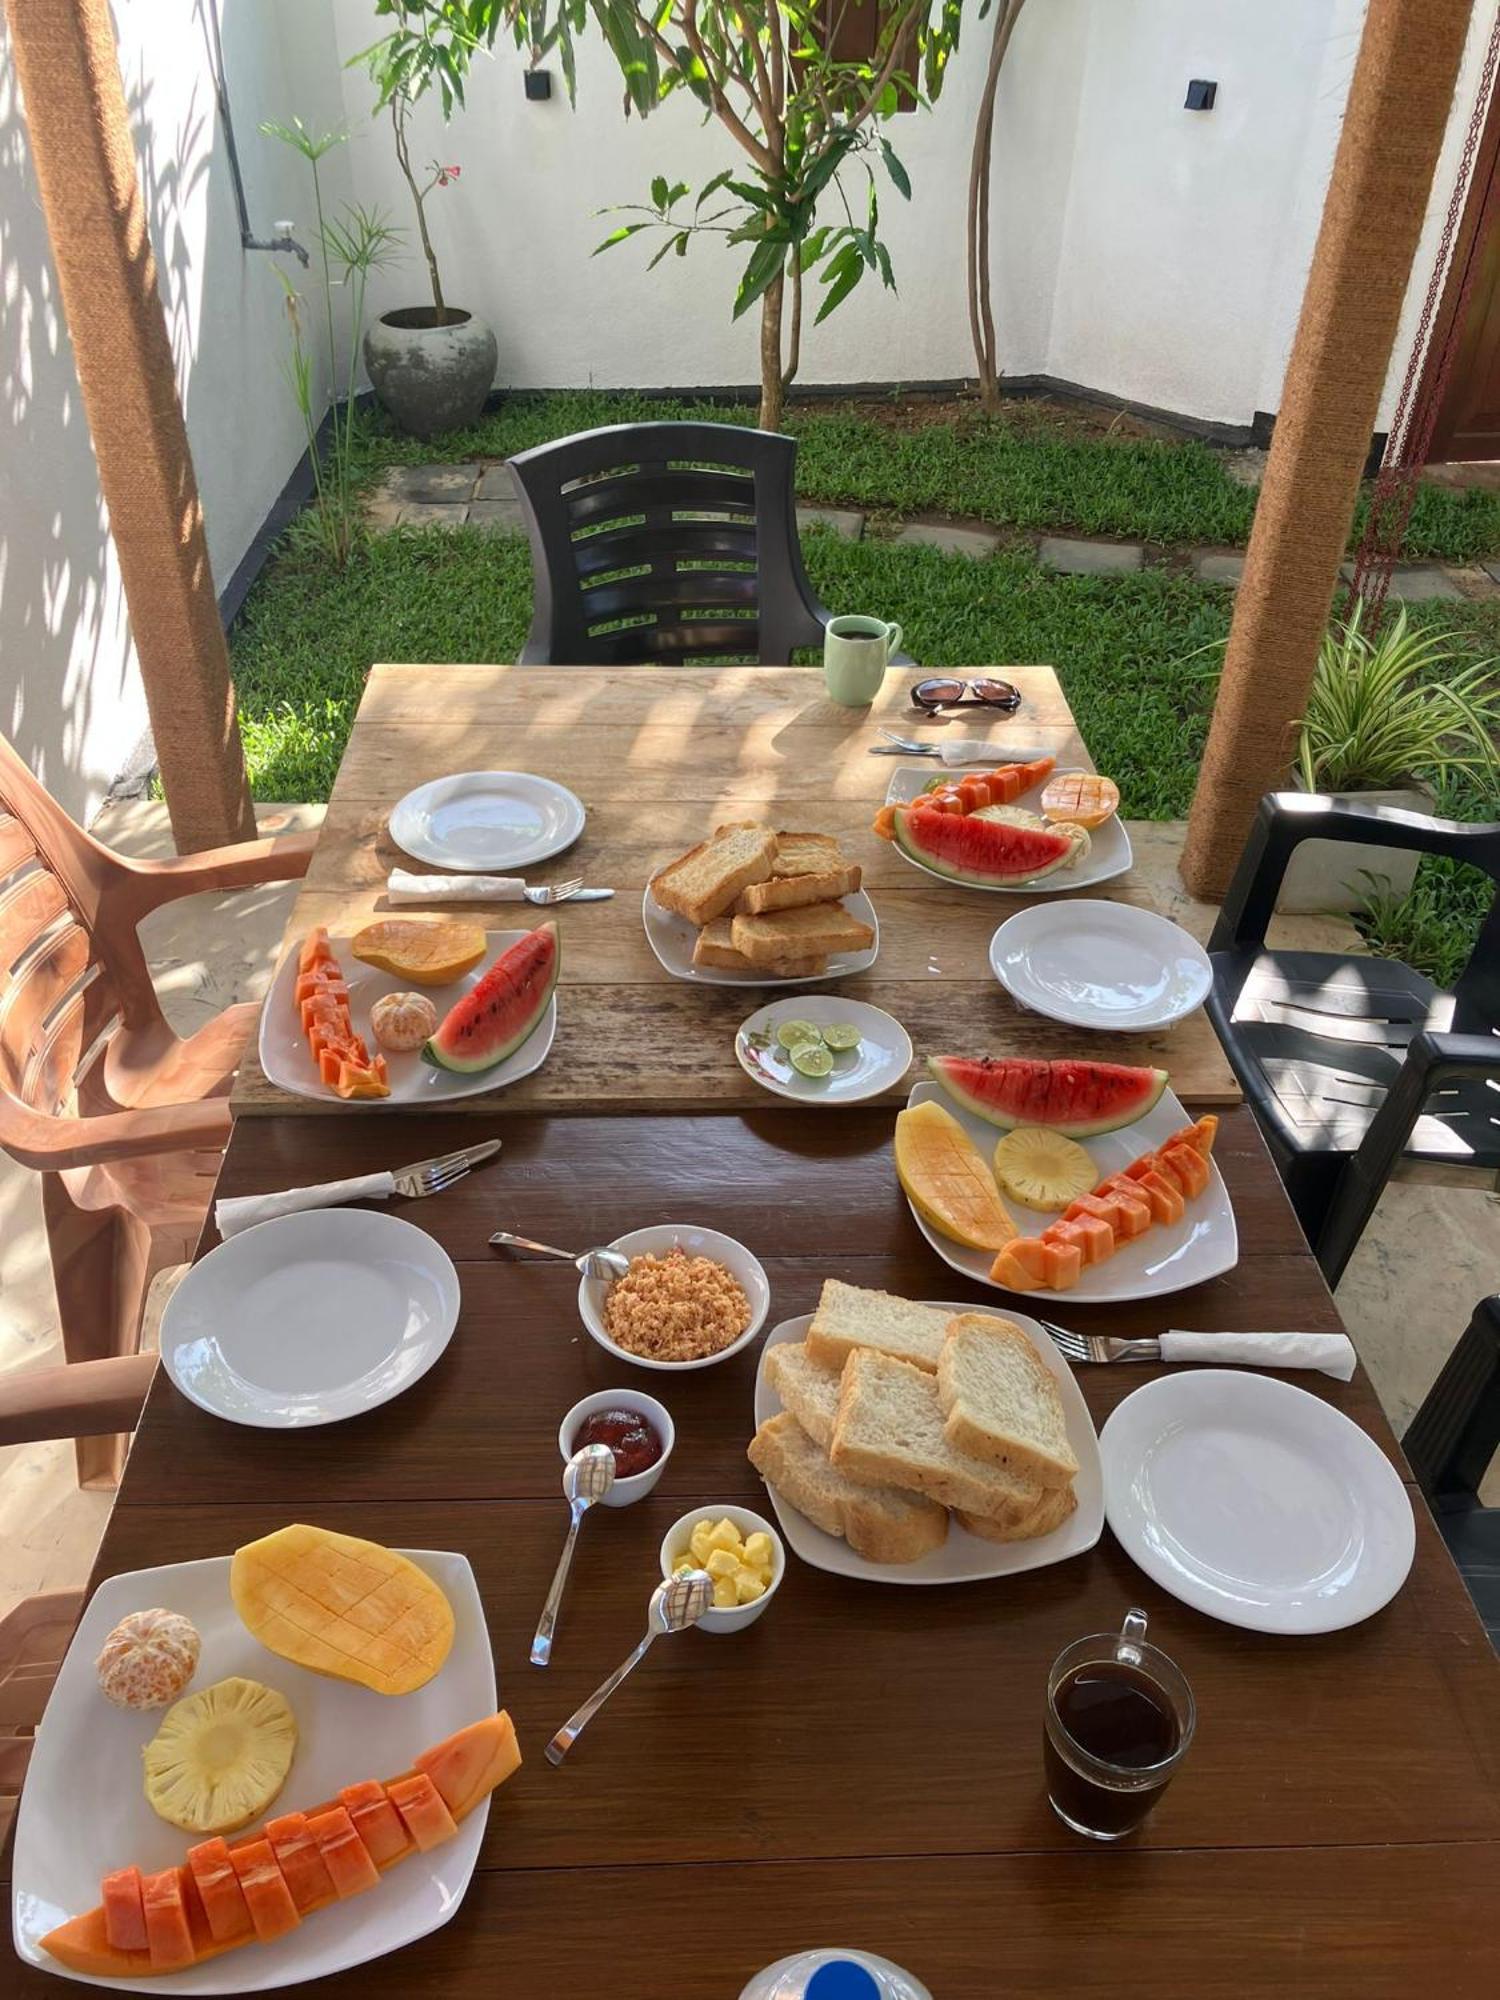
[1096, 964]
[310, 1318]
[483, 820]
[83, 1811]
[881, 1060]
[963, 1558]
[1255, 1502]
[672, 939]
[288, 1061]
[1167, 1258]
[1109, 852]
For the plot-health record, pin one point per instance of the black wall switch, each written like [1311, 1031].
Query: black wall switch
[1201, 94]
[539, 85]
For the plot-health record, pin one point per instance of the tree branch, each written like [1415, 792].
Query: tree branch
[794, 349]
[723, 110]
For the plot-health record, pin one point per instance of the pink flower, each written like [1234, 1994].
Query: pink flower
[446, 174]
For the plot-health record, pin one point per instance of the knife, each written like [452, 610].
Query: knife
[588, 896]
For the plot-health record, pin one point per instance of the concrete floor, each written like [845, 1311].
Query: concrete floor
[1429, 1254]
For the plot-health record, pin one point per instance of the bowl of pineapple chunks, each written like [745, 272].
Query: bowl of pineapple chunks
[741, 1552]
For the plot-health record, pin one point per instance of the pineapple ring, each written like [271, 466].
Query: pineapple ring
[220, 1756]
[1042, 1169]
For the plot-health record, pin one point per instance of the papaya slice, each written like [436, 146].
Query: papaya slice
[298, 1858]
[124, 1915]
[219, 1891]
[321, 997]
[376, 1821]
[267, 1897]
[1189, 1166]
[168, 1939]
[344, 1853]
[1095, 1240]
[422, 1810]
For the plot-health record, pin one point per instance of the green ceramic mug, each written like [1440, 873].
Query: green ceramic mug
[856, 653]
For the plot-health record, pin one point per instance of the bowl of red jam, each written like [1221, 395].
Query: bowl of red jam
[637, 1429]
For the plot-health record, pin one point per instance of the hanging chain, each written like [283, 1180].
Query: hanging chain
[1410, 436]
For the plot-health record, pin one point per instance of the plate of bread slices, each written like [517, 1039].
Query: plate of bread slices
[751, 906]
[924, 1443]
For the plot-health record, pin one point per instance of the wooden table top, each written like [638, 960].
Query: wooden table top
[660, 756]
[864, 1764]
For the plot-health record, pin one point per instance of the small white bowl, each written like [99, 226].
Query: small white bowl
[731, 1618]
[638, 1484]
[747, 1271]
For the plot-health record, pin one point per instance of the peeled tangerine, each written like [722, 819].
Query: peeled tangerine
[946, 1181]
[402, 1020]
[344, 1607]
[148, 1659]
[220, 1756]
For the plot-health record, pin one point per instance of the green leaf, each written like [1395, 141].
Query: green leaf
[619, 235]
[839, 290]
[711, 188]
[900, 179]
[766, 263]
[659, 191]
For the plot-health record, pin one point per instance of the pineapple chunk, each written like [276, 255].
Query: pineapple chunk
[724, 1536]
[725, 1594]
[748, 1585]
[1042, 1169]
[220, 1756]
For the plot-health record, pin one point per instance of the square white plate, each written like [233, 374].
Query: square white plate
[1109, 852]
[672, 939]
[83, 1810]
[963, 1558]
[1203, 1245]
[288, 1061]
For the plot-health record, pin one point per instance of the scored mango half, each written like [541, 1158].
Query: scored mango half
[344, 1607]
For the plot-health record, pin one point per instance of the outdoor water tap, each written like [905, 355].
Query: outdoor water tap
[283, 240]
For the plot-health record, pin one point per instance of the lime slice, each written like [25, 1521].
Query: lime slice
[812, 1059]
[792, 1034]
[841, 1035]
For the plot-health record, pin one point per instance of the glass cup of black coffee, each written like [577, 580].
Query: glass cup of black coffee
[1119, 1721]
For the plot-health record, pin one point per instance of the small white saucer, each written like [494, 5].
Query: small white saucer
[877, 1065]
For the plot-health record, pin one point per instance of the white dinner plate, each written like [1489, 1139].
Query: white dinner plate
[879, 1063]
[1109, 852]
[83, 1811]
[672, 939]
[1255, 1502]
[310, 1318]
[963, 1558]
[1095, 964]
[288, 1061]
[483, 821]
[1205, 1244]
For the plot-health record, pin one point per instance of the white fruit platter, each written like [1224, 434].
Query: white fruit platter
[1109, 851]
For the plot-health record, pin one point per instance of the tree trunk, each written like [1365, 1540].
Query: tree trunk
[772, 385]
[981, 315]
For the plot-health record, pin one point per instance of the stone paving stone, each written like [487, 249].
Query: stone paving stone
[841, 521]
[1491, 570]
[952, 541]
[497, 517]
[496, 483]
[1212, 566]
[382, 512]
[432, 513]
[432, 483]
[1417, 583]
[1080, 558]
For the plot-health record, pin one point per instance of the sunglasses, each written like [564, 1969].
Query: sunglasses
[947, 692]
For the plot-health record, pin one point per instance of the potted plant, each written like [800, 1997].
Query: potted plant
[1389, 714]
[431, 367]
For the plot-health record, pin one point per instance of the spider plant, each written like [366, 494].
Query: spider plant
[1393, 705]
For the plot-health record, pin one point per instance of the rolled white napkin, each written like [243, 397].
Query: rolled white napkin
[1329, 1353]
[404, 887]
[974, 750]
[240, 1211]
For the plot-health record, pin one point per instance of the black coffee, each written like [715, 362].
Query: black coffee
[1119, 1716]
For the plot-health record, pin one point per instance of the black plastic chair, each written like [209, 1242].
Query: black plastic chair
[665, 542]
[1351, 1064]
[1449, 1446]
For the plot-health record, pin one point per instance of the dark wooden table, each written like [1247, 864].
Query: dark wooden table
[864, 1764]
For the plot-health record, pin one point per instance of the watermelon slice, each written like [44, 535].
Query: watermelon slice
[1079, 1099]
[964, 848]
[496, 1016]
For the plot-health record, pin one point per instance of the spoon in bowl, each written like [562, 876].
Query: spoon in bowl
[587, 1477]
[675, 1604]
[592, 1263]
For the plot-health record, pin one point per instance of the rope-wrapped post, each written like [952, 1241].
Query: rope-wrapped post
[85, 163]
[1399, 101]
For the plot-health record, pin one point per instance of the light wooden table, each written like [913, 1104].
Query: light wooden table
[659, 757]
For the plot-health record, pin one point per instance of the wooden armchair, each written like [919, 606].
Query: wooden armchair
[125, 1120]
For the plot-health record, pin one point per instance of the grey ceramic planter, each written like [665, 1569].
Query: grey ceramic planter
[430, 378]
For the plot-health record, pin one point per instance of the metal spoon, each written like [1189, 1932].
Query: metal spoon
[587, 1477]
[592, 1263]
[679, 1602]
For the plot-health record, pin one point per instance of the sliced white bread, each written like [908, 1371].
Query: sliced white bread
[791, 892]
[808, 1389]
[1001, 1401]
[889, 1431]
[849, 1317]
[879, 1523]
[779, 934]
[713, 947]
[1054, 1507]
[703, 883]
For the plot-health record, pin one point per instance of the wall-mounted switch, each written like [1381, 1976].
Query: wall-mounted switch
[1201, 94]
[538, 85]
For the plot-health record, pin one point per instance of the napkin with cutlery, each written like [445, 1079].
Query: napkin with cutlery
[405, 887]
[1328, 1353]
[971, 750]
[237, 1212]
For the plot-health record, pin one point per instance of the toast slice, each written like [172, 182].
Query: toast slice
[808, 1389]
[703, 883]
[879, 1523]
[849, 1317]
[889, 1431]
[1001, 1402]
[809, 868]
[713, 947]
[781, 934]
[1054, 1507]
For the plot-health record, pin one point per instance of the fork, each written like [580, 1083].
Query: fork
[555, 892]
[432, 1176]
[1100, 1346]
